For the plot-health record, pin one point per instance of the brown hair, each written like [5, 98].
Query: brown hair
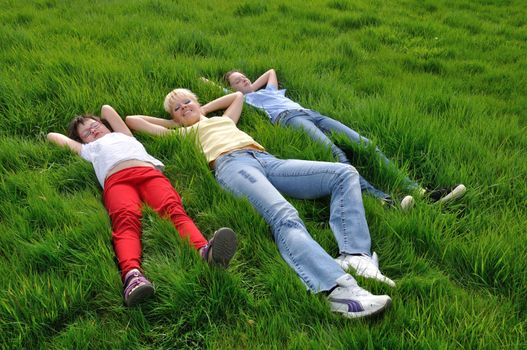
[73, 133]
[227, 75]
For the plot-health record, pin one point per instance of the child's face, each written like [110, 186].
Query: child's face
[92, 130]
[239, 82]
[185, 111]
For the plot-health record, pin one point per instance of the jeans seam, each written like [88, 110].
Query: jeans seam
[279, 228]
[298, 267]
[304, 173]
[342, 221]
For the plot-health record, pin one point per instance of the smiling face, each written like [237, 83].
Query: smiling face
[240, 82]
[185, 111]
[183, 107]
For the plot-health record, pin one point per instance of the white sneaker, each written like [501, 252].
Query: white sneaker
[456, 192]
[353, 301]
[407, 203]
[364, 266]
[444, 194]
[375, 259]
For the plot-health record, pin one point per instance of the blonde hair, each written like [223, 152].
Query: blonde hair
[172, 95]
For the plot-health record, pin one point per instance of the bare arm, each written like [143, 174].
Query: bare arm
[115, 120]
[268, 78]
[150, 125]
[166, 123]
[231, 103]
[65, 141]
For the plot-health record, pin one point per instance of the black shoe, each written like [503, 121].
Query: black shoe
[387, 202]
[221, 248]
[406, 203]
[446, 194]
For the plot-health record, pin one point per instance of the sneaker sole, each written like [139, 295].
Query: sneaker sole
[407, 203]
[140, 294]
[224, 247]
[456, 193]
[343, 309]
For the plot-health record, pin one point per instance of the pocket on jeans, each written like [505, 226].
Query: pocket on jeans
[221, 163]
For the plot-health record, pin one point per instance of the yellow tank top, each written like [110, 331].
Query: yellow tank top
[219, 135]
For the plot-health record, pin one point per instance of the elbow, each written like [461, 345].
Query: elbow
[108, 112]
[238, 97]
[56, 138]
[52, 136]
[105, 109]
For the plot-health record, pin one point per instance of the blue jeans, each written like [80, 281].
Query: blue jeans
[319, 126]
[262, 178]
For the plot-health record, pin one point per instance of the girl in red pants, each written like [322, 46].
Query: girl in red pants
[130, 176]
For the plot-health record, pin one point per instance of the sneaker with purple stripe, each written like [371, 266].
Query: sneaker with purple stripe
[353, 301]
[136, 288]
[221, 248]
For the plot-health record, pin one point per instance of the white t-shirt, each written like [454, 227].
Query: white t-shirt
[112, 149]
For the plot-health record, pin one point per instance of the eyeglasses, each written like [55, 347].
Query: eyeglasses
[91, 129]
[178, 106]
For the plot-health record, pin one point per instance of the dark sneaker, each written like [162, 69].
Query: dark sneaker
[221, 248]
[387, 202]
[353, 301]
[136, 288]
[446, 194]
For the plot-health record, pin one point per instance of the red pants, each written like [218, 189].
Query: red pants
[124, 193]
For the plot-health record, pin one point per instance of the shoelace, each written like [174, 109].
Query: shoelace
[365, 262]
[357, 291]
[132, 282]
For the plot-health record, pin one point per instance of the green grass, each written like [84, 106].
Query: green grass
[439, 86]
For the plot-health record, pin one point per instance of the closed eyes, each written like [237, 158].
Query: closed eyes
[179, 105]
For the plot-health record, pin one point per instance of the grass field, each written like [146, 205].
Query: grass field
[440, 86]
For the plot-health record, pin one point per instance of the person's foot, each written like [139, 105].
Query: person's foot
[353, 301]
[406, 204]
[136, 288]
[446, 194]
[387, 202]
[221, 248]
[364, 266]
